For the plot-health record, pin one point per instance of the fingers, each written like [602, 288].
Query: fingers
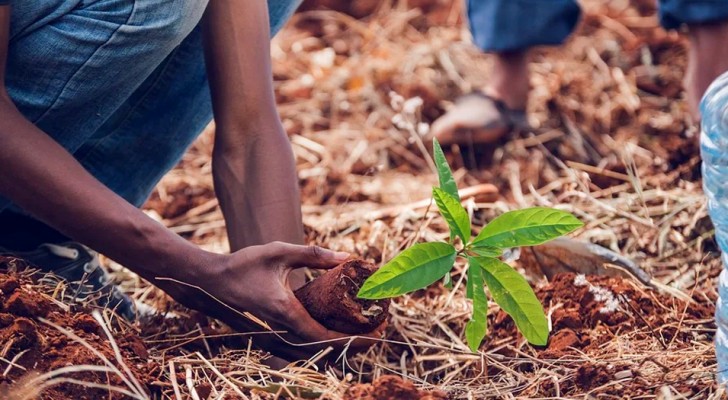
[296, 256]
[310, 331]
[307, 328]
[304, 336]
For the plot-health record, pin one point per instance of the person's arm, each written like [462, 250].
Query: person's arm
[253, 163]
[45, 180]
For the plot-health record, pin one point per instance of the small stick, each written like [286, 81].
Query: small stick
[173, 379]
[190, 383]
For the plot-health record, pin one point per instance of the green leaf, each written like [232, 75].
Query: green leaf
[477, 326]
[515, 296]
[468, 286]
[486, 251]
[415, 268]
[528, 227]
[447, 181]
[453, 212]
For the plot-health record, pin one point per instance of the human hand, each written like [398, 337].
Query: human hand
[255, 280]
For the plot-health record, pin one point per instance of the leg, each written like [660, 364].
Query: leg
[70, 66]
[504, 26]
[509, 79]
[150, 132]
[707, 59]
[708, 32]
[108, 49]
[507, 28]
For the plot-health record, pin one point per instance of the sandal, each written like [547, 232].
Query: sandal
[477, 118]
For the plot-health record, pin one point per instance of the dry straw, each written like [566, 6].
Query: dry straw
[609, 102]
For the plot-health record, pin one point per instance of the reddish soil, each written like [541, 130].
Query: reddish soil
[584, 322]
[581, 326]
[331, 299]
[36, 347]
[391, 387]
[181, 198]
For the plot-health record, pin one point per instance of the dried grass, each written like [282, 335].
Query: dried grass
[612, 144]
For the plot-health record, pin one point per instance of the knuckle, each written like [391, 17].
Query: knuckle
[315, 252]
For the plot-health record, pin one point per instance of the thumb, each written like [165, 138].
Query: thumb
[314, 257]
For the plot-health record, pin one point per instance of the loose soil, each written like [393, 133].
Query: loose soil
[36, 347]
[30, 347]
[591, 314]
[391, 387]
[588, 315]
[613, 144]
[331, 299]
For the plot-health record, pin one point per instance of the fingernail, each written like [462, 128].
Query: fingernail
[341, 256]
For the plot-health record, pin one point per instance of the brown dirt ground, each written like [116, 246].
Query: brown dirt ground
[35, 347]
[391, 387]
[583, 110]
[437, 11]
[582, 323]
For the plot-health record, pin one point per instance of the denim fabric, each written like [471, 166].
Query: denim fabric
[510, 25]
[120, 84]
[674, 13]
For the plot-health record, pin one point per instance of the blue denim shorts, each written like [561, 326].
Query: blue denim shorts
[511, 25]
[120, 84]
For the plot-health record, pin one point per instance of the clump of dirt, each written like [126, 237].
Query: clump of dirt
[391, 387]
[34, 347]
[331, 299]
[590, 312]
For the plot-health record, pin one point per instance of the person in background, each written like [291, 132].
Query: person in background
[99, 99]
[508, 29]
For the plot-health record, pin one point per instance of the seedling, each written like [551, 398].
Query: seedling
[423, 264]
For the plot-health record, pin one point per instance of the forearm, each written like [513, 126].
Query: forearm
[237, 55]
[254, 168]
[45, 180]
[258, 192]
